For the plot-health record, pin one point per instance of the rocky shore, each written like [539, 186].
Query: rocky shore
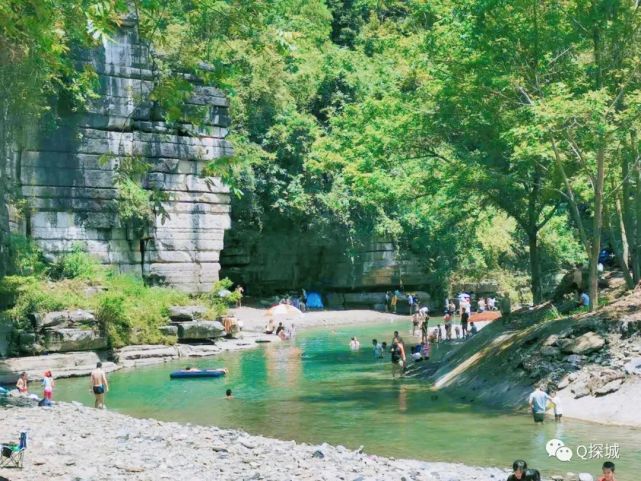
[71, 364]
[73, 442]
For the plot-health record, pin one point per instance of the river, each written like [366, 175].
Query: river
[316, 390]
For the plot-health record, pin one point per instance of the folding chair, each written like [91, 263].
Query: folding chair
[12, 455]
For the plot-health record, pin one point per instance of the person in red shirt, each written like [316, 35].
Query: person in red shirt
[608, 472]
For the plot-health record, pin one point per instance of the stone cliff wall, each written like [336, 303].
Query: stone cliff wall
[276, 260]
[66, 173]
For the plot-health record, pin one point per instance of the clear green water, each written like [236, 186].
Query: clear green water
[316, 390]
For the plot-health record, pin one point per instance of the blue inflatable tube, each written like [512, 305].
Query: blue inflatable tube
[196, 373]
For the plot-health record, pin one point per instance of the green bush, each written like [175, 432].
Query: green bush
[131, 312]
[114, 320]
[25, 257]
[218, 305]
[76, 264]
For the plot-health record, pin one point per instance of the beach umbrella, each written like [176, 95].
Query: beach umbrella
[284, 310]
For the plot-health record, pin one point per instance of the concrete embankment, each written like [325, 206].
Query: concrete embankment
[593, 360]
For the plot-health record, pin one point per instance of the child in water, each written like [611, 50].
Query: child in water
[48, 384]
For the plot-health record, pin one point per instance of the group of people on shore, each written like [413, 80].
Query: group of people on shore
[521, 472]
[97, 380]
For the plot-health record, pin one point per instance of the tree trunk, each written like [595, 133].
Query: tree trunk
[620, 245]
[597, 227]
[535, 267]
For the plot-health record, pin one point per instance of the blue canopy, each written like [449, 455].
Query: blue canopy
[314, 300]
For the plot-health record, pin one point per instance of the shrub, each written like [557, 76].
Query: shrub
[218, 304]
[25, 257]
[113, 318]
[76, 264]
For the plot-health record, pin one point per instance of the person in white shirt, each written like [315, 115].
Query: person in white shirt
[558, 410]
[354, 345]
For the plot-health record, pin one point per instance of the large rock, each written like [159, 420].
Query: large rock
[550, 351]
[144, 355]
[62, 365]
[584, 344]
[64, 318]
[65, 340]
[170, 330]
[186, 313]
[634, 366]
[610, 387]
[200, 330]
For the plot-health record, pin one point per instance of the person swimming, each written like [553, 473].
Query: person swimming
[354, 345]
[228, 394]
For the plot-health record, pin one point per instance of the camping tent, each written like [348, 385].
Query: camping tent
[314, 300]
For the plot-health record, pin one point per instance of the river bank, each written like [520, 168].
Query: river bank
[70, 441]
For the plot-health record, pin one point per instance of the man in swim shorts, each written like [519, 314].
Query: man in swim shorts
[99, 386]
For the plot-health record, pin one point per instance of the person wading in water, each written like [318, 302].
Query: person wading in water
[398, 358]
[99, 386]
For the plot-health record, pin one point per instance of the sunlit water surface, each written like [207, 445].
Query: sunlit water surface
[316, 390]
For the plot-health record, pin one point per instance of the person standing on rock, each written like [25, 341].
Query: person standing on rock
[99, 386]
[538, 403]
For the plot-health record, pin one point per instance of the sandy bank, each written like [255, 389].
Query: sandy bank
[69, 442]
[254, 319]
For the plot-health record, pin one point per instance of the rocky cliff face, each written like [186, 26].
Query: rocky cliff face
[277, 260]
[66, 173]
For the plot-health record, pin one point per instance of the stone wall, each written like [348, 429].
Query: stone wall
[66, 173]
[278, 260]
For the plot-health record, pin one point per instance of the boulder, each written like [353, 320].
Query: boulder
[550, 351]
[584, 344]
[634, 366]
[200, 330]
[574, 359]
[65, 340]
[580, 390]
[563, 383]
[585, 477]
[145, 351]
[64, 318]
[610, 387]
[186, 313]
[551, 340]
[169, 330]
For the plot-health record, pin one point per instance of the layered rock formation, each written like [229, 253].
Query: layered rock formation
[67, 173]
[278, 260]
